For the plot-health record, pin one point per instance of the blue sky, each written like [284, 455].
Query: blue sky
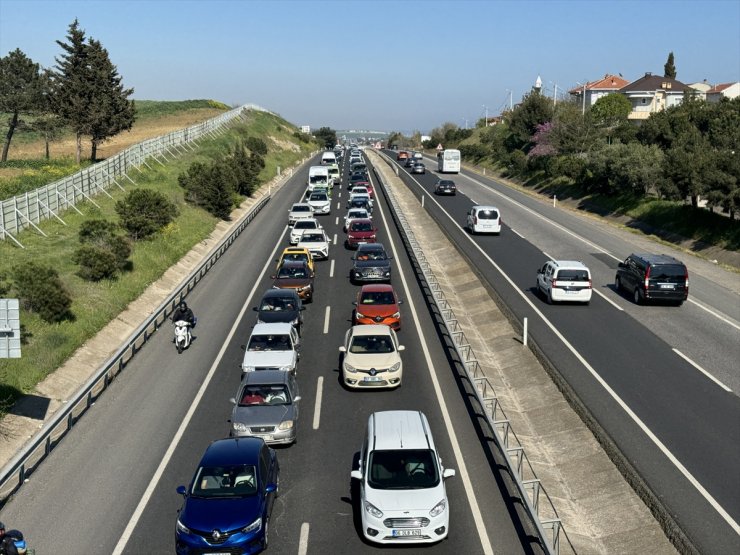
[382, 65]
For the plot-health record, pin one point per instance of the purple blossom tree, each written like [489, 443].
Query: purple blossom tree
[542, 141]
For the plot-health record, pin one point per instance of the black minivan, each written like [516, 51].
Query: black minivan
[653, 277]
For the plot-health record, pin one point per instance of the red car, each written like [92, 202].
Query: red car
[370, 189]
[361, 230]
[377, 304]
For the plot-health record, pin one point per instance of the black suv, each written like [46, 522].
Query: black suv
[653, 277]
[371, 263]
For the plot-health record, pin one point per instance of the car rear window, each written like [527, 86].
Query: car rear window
[361, 226]
[573, 275]
[305, 224]
[487, 214]
[667, 271]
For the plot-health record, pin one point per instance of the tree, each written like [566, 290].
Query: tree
[143, 212]
[573, 132]
[74, 89]
[669, 69]
[48, 124]
[327, 136]
[110, 110]
[41, 291]
[610, 112]
[535, 109]
[19, 90]
[688, 165]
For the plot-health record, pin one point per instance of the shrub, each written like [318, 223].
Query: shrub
[103, 252]
[95, 263]
[256, 145]
[41, 291]
[567, 166]
[144, 212]
[517, 162]
[211, 186]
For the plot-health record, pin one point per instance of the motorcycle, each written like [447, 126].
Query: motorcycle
[182, 335]
[19, 541]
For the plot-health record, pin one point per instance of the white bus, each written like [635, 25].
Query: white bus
[448, 161]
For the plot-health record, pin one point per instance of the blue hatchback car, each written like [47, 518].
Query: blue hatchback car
[228, 504]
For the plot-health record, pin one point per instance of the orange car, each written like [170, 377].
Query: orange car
[377, 304]
[402, 155]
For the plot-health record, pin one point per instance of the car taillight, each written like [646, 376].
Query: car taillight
[589, 284]
[555, 283]
[686, 277]
[647, 279]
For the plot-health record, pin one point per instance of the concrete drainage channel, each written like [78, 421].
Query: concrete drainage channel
[599, 511]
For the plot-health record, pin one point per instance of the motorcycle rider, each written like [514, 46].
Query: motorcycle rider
[7, 543]
[183, 312]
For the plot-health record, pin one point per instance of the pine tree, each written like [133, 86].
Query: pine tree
[74, 84]
[669, 69]
[19, 90]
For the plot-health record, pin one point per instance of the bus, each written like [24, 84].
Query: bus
[448, 161]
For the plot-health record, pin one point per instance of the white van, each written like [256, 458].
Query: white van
[318, 176]
[328, 158]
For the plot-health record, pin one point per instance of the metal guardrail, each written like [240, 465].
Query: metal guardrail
[13, 475]
[537, 502]
[27, 210]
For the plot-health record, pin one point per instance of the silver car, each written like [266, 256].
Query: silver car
[266, 407]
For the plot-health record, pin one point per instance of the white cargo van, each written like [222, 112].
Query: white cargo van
[328, 158]
[318, 175]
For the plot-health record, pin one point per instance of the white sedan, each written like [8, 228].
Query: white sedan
[371, 357]
[355, 214]
[310, 224]
[298, 211]
[316, 242]
[320, 202]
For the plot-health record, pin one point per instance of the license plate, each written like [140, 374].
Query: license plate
[667, 286]
[399, 533]
[372, 379]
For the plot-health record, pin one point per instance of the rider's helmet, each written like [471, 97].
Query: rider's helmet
[183, 305]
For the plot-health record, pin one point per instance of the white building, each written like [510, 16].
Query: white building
[306, 129]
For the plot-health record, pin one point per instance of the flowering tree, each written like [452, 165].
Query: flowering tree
[542, 141]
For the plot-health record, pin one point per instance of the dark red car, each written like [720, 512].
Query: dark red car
[360, 231]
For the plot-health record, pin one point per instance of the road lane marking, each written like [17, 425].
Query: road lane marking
[607, 299]
[317, 406]
[700, 369]
[326, 319]
[303, 542]
[338, 205]
[713, 313]
[336, 220]
[636, 419]
[121, 545]
[547, 255]
[515, 231]
[459, 459]
[335, 239]
[331, 269]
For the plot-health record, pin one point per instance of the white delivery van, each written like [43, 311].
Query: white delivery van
[328, 158]
[318, 175]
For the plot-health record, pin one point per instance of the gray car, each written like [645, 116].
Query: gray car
[370, 263]
[266, 406]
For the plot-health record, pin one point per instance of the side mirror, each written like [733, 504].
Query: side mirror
[621, 265]
[298, 398]
[302, 308]
[270, 488]
[232, 401]
[272, 277]
[539, 270]
[356, 474]
[182, 491]
[401, 348]
[255, 309]
[243, 347]
[400, 301]
[448, 473]
[354, 303]
[342, 349]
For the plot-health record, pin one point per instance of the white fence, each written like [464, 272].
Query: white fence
[49, 201]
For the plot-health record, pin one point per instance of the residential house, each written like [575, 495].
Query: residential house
[653, 93]
[596, 89]
[701, 88]
[725, 90]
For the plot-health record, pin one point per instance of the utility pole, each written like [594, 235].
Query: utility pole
[555, 96]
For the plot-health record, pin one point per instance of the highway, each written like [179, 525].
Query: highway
[661, 380]
[109, 487]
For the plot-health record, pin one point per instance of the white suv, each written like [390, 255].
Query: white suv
[564, 280]
[484, 219]
[271, 347]
[402, 481]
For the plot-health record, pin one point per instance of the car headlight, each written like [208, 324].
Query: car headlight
[239, 427]
[439, 508]
[396, 315]
[286, 425]
[373, 510]
[248, 368]
[387, 272]
[254, 527]
[349, 368]
[182, 528]
[395, 367]
[287, 368]
[360, 315]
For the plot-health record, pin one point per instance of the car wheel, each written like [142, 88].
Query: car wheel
[618, 284]
[267, 531]
[637, 296]
[549, 297]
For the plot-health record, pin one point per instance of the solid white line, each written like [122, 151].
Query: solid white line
[317, 406]
[607, 299]
[121, 545]
[700, 369]
[331, 268]
[647, 431]
[326, 319]
[303, 542]
[515, 231]
[713, 313]
[547, 255]
[459, 459]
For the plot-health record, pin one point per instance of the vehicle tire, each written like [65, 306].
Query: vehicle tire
[267, 530]
[637, 297]
[618, 284]
[549, 297]
[179, 348]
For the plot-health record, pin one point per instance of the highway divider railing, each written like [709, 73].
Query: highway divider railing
[15, 472]
[536, 501]
[48, 201]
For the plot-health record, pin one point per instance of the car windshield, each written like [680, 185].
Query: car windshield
[487, 214]
[305, 224]
[367, 254]
[402, 469]
[267, 394]
[277, 342]
[317, 179]
[312, 238]
[377, 297]
[239, 480]
[301, 208]
[573, 275]
[296, 273]
[361, 226]
[277, 304]
[372, 344]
